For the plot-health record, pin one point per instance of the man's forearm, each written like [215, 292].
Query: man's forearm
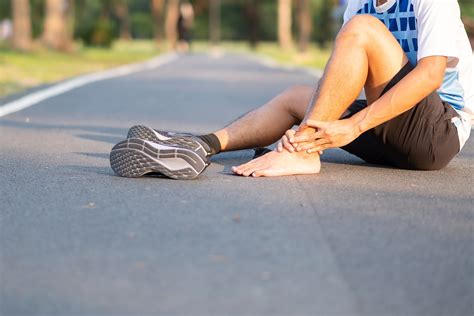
[403, 96]
[322, 112]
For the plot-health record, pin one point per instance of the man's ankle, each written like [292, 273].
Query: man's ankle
[213, 142]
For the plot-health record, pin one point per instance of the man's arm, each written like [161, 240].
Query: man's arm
[420, 82]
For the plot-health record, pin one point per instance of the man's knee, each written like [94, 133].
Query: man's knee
[361, 29]
[296, 100]
[299, 89]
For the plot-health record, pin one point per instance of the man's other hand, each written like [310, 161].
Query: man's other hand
[328, 134]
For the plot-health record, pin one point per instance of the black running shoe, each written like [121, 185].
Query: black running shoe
[135, 157]
[187, 141]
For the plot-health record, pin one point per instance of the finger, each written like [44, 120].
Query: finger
[318, 124]
[290, 133]
[320, 134]
[313, 145]
[305, 147]
[280, 146]
[304, 138]
[287, 145]
[322, 141]
[323, 147]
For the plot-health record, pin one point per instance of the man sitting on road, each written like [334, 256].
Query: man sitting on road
[413, 59]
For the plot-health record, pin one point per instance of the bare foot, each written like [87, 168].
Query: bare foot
[276, 164]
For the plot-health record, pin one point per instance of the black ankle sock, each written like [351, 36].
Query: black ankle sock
[213, 142]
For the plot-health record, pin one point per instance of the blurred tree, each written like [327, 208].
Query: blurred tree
[171, 22]
[5, 9]
[252, 15]
[57, 32]
[142, 24]
[324, 24]
[96, 27]
[37, 17]
[467, 8]
[200, 6]
[122, 13]
[215, 21]
[267, 16]
[21, 24]
[157, 9]
[284, 24]
[467, 12]
[305, 24]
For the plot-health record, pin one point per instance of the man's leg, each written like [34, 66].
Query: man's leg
[267, 124]
[365, 55]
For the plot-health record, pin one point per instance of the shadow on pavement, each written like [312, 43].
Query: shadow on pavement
[90, 169]
[94, 155]
[102, 138]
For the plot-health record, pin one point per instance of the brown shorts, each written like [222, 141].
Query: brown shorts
[423, 138]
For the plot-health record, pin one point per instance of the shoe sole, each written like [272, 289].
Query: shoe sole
[135, 157]
[146, 133]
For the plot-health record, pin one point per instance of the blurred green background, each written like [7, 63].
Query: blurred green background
[62, 38]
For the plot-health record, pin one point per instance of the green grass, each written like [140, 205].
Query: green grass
[19, 71]
[467, 8]
[314, 57]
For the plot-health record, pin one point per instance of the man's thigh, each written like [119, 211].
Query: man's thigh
[422, 138]
[384, 55]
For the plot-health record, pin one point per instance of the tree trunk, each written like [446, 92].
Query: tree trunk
[157, 9]
[200, 6]
[172, 16]
[284, 24]
[57, 33]
[305, 24]
[252, 14]
[121, 10]
[325, 25]
[215, 22]
[21, 24]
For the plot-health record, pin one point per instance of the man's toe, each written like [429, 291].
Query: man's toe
[257, 174]
[248, 171]
[236, 169]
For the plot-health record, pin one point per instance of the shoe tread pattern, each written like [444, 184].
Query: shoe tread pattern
[186, 141]
[133, 158]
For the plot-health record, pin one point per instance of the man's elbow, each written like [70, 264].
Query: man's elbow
[434, 71]
[430, 80]
[436, 80]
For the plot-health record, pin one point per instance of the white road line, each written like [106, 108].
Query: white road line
[60, 88]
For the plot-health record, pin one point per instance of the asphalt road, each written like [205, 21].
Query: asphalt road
[354, 240]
